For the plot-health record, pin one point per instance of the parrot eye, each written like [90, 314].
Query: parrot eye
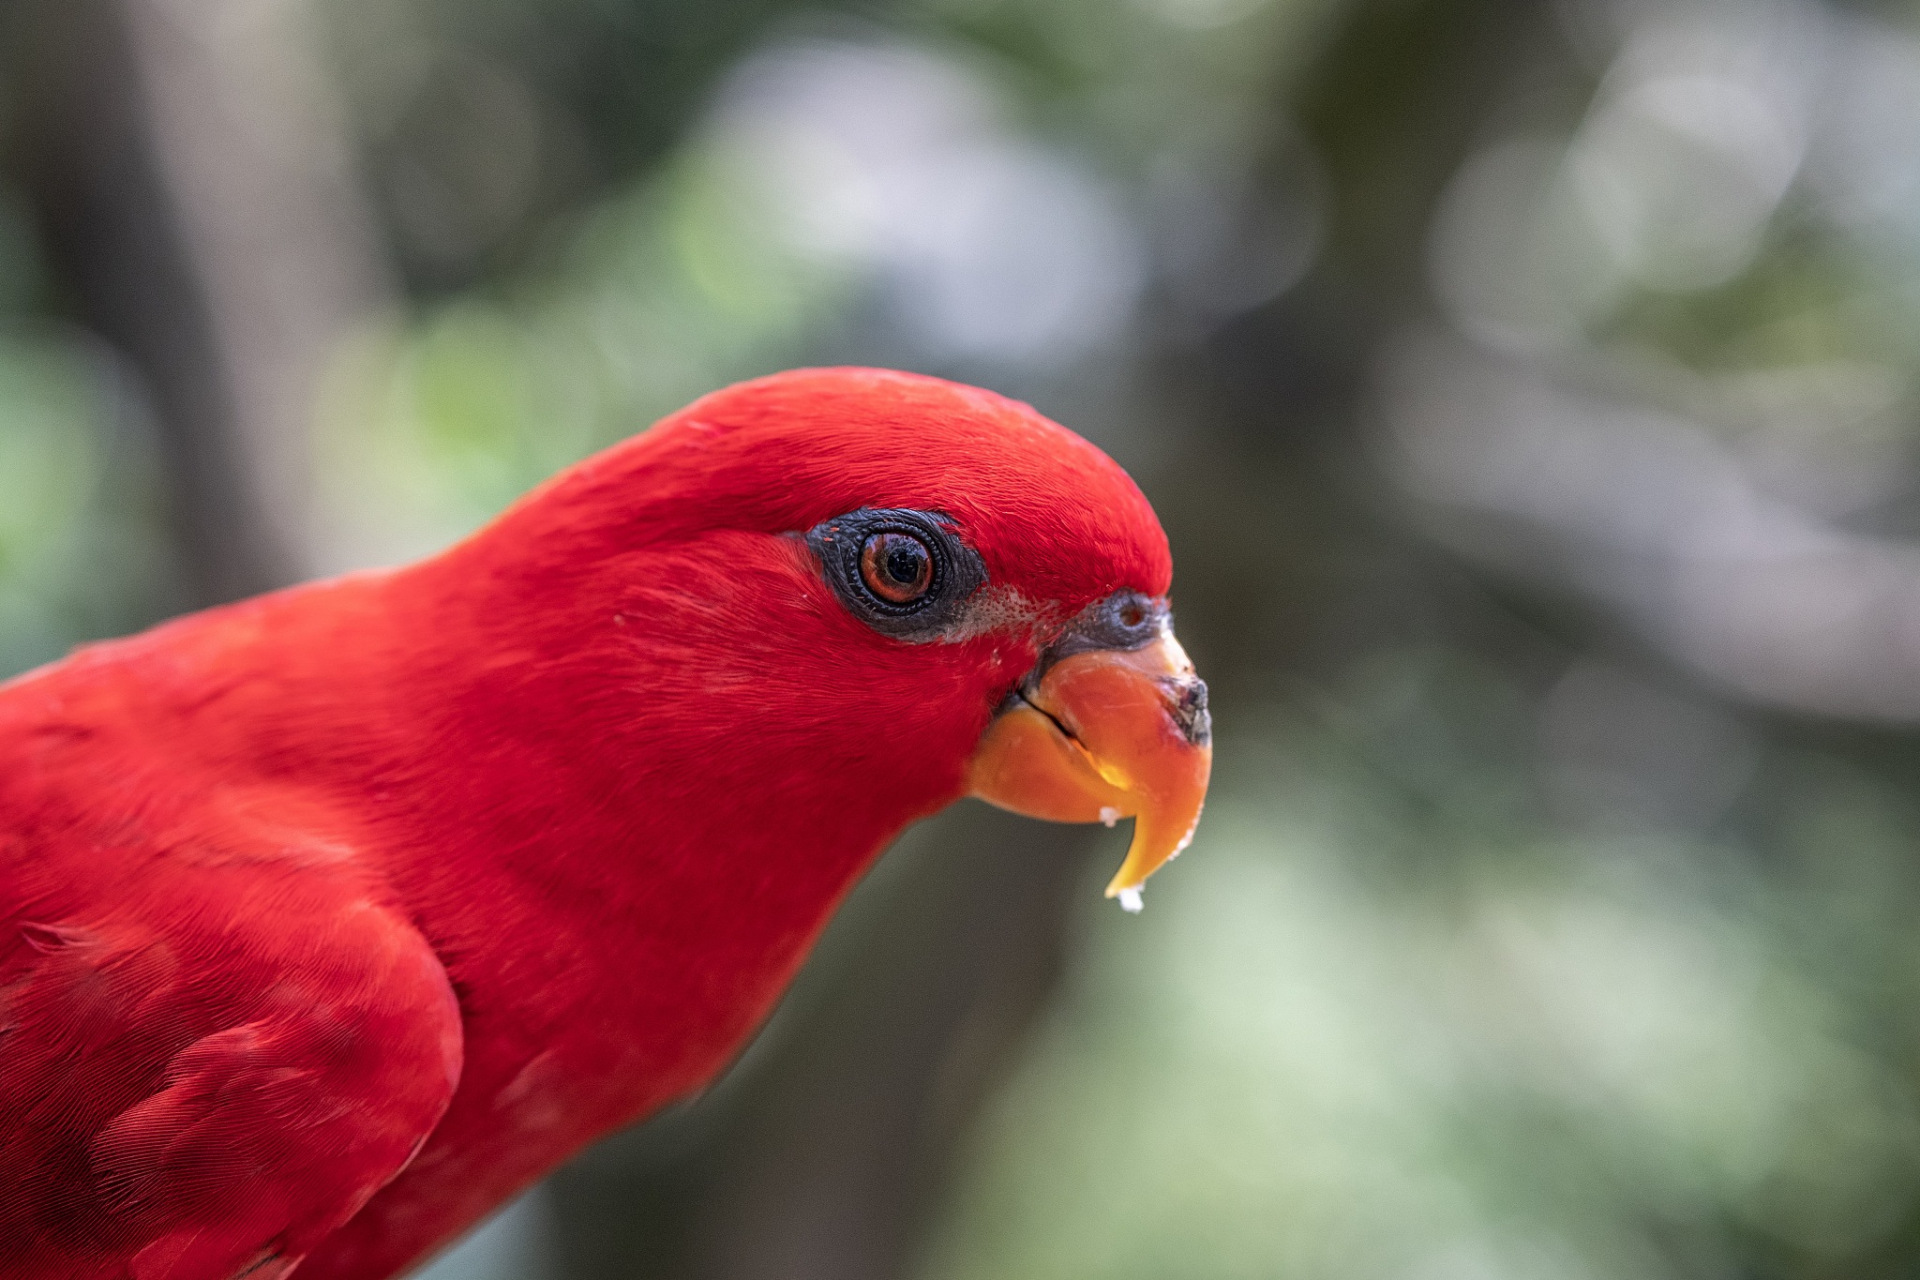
[897, 567]
[903, 573]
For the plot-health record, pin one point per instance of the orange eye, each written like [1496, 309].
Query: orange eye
[897, 567]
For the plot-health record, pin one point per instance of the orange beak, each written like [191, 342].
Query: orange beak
[1105, 735]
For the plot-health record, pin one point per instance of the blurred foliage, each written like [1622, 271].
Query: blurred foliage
[78, 507]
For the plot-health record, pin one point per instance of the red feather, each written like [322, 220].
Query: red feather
[331, 919]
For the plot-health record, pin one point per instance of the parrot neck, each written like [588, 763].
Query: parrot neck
[635, 878]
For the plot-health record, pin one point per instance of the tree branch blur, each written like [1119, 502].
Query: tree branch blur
[1655, 518]
[200, 207]
[1722, 508]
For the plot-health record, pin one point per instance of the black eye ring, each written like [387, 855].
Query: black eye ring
[904, 573]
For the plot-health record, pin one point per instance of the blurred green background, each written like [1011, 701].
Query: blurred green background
[1529, 391]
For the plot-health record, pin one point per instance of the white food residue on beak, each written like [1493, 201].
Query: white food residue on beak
[1109, 814]
[1130, 900]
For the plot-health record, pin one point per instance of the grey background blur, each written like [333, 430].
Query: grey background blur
[1529, 390]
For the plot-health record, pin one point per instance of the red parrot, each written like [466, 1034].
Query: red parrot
[331, 919]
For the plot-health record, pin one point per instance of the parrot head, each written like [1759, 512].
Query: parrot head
[900, 589]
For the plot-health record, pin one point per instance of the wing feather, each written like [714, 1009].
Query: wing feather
[205, 1074]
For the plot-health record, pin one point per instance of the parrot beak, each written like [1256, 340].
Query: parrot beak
[1104, 734]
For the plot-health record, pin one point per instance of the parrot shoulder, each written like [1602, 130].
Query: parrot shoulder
[206, 1066]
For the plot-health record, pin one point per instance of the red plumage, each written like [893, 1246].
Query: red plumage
[330, 919]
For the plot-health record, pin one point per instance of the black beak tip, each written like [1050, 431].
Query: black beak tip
[1189, 711]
